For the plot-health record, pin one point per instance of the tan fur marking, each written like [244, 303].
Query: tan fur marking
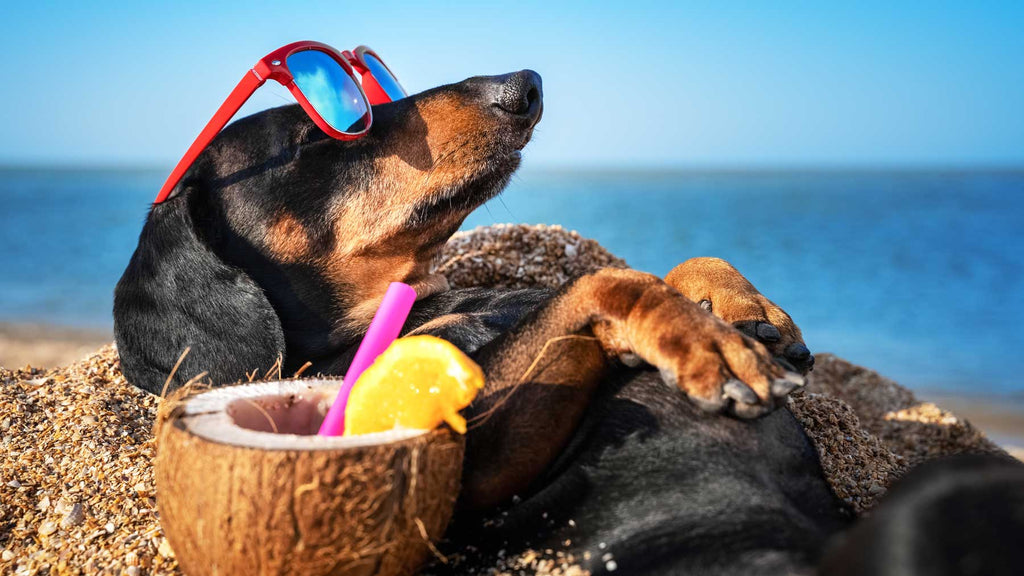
[439, 323]
[432, 284]
[287, 239]
[733, 298]
[453, 142]
[363, 280]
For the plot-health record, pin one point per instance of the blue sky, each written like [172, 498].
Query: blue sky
[628, 84]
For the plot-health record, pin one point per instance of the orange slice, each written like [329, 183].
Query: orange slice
[418, 382]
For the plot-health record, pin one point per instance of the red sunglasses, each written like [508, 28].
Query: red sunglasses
[322, 79]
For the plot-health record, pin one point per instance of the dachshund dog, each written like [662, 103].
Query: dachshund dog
[641, 408]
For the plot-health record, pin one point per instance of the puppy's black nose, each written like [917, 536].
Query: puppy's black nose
[519, 93]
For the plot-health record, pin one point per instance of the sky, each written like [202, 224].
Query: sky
[626, 84]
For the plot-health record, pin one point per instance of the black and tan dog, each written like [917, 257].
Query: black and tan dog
[280, 242]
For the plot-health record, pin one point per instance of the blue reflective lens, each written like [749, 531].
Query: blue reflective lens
[380, 73]
[331, 91]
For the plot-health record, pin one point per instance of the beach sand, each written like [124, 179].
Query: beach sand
[76, 445]
[1001, 421]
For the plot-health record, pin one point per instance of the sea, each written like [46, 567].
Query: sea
[917, 274]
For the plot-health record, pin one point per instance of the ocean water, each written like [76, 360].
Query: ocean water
[919, 275]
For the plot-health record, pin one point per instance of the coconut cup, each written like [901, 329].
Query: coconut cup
[245, 486]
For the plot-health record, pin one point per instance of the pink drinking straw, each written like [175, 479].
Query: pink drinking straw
[383, 330]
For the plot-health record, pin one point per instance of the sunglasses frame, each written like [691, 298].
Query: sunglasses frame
[370, 86]
[274, 66]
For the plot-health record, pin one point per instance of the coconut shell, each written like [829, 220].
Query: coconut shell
[254, 503]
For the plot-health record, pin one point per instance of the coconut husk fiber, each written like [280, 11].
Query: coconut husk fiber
[310, 506]
[76, 443]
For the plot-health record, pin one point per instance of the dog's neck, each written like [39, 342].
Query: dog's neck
[360, 280]
[358, 269]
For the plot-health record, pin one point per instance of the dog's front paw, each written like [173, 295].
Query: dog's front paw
[720, 289]
[719, 368]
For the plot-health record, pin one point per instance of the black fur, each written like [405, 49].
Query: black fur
[963, 515]
[666, 488]
[178, 293]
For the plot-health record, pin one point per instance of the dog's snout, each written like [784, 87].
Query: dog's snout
[519, 93]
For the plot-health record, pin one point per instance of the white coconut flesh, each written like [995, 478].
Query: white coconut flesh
[283, 415]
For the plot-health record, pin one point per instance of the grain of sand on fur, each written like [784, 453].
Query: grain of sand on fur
[76, 483]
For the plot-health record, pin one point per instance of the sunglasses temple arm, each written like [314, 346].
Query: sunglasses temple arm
[245, 88]
[374, 93]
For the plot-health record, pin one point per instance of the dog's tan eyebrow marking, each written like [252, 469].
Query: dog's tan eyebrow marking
[287, 239]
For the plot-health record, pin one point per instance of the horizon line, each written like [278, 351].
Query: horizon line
[654, 168]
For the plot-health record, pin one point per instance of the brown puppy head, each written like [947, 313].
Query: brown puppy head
[324, 225]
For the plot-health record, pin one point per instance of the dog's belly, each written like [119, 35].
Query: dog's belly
[651, 484]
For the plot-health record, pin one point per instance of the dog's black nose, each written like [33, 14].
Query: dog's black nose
[519, 93]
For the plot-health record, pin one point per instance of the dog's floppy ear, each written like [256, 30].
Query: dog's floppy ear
[178, 293]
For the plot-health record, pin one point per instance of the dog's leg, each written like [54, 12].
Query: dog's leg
[541, 374]
[720, 289]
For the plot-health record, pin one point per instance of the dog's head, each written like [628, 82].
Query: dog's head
[321, 226]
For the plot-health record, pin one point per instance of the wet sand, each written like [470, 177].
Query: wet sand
[47, 346]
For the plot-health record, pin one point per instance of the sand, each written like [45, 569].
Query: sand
[43, 345]
[76, 484]
[870, 430]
